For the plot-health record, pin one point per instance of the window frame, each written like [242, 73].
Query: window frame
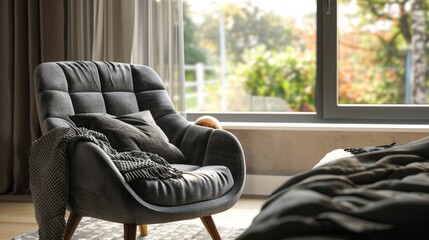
[328, 111]
[331, 109]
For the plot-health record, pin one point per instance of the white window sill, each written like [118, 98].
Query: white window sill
[326, 127]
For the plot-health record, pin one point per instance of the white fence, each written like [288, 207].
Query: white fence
[199, 83]
[247, 101]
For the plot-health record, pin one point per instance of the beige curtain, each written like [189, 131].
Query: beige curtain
[100, 30]
[32, 32]
[80, 28]
[147, 32]
[158, 43]
[113, 30]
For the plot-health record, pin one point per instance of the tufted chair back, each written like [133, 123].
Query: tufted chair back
[104, 87]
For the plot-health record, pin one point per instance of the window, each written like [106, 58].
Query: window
[380, 55]
[255, 60]
[250, 55]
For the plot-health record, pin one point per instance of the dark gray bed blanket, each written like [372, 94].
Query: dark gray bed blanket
[377, 195]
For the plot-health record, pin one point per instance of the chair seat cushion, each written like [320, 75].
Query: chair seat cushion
[197, 184]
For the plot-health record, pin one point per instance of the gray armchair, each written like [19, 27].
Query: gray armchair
[97, 189]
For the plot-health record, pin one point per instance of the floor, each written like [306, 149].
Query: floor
[17, 218]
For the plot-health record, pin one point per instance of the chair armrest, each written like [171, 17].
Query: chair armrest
[218, 147]
[223, 148]
[96, 184]
[194, 144]
[207, 144]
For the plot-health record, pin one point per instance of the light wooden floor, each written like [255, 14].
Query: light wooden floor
[18, 218]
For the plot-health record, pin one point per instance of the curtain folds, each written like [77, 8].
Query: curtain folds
[158, 43]
[32, 32]
[144, 32]
[80, 29]
[113, 25]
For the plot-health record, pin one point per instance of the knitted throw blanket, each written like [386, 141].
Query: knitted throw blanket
[49, 173]
[368, 149]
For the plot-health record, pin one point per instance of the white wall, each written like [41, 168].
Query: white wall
[286, 152]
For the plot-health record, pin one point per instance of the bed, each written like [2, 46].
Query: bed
[382, 193]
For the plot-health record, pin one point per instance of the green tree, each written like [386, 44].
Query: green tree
[407, 34]
[288, 74]
[247, 26]
[193, 52]
[418, 50]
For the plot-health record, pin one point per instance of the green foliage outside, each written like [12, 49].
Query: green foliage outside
[382, 54]
[288, 74]
[247, 26]
[249, 32]
[193, 52]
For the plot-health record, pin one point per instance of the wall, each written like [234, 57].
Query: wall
[286, 152]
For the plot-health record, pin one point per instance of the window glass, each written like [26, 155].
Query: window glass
[382, 52]
[250, 55]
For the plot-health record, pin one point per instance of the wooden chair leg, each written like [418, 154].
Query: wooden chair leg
[72, 223]
[211, 227]
[143, 230]
[130, 231]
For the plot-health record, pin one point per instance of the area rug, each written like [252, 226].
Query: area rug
[91, 228]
